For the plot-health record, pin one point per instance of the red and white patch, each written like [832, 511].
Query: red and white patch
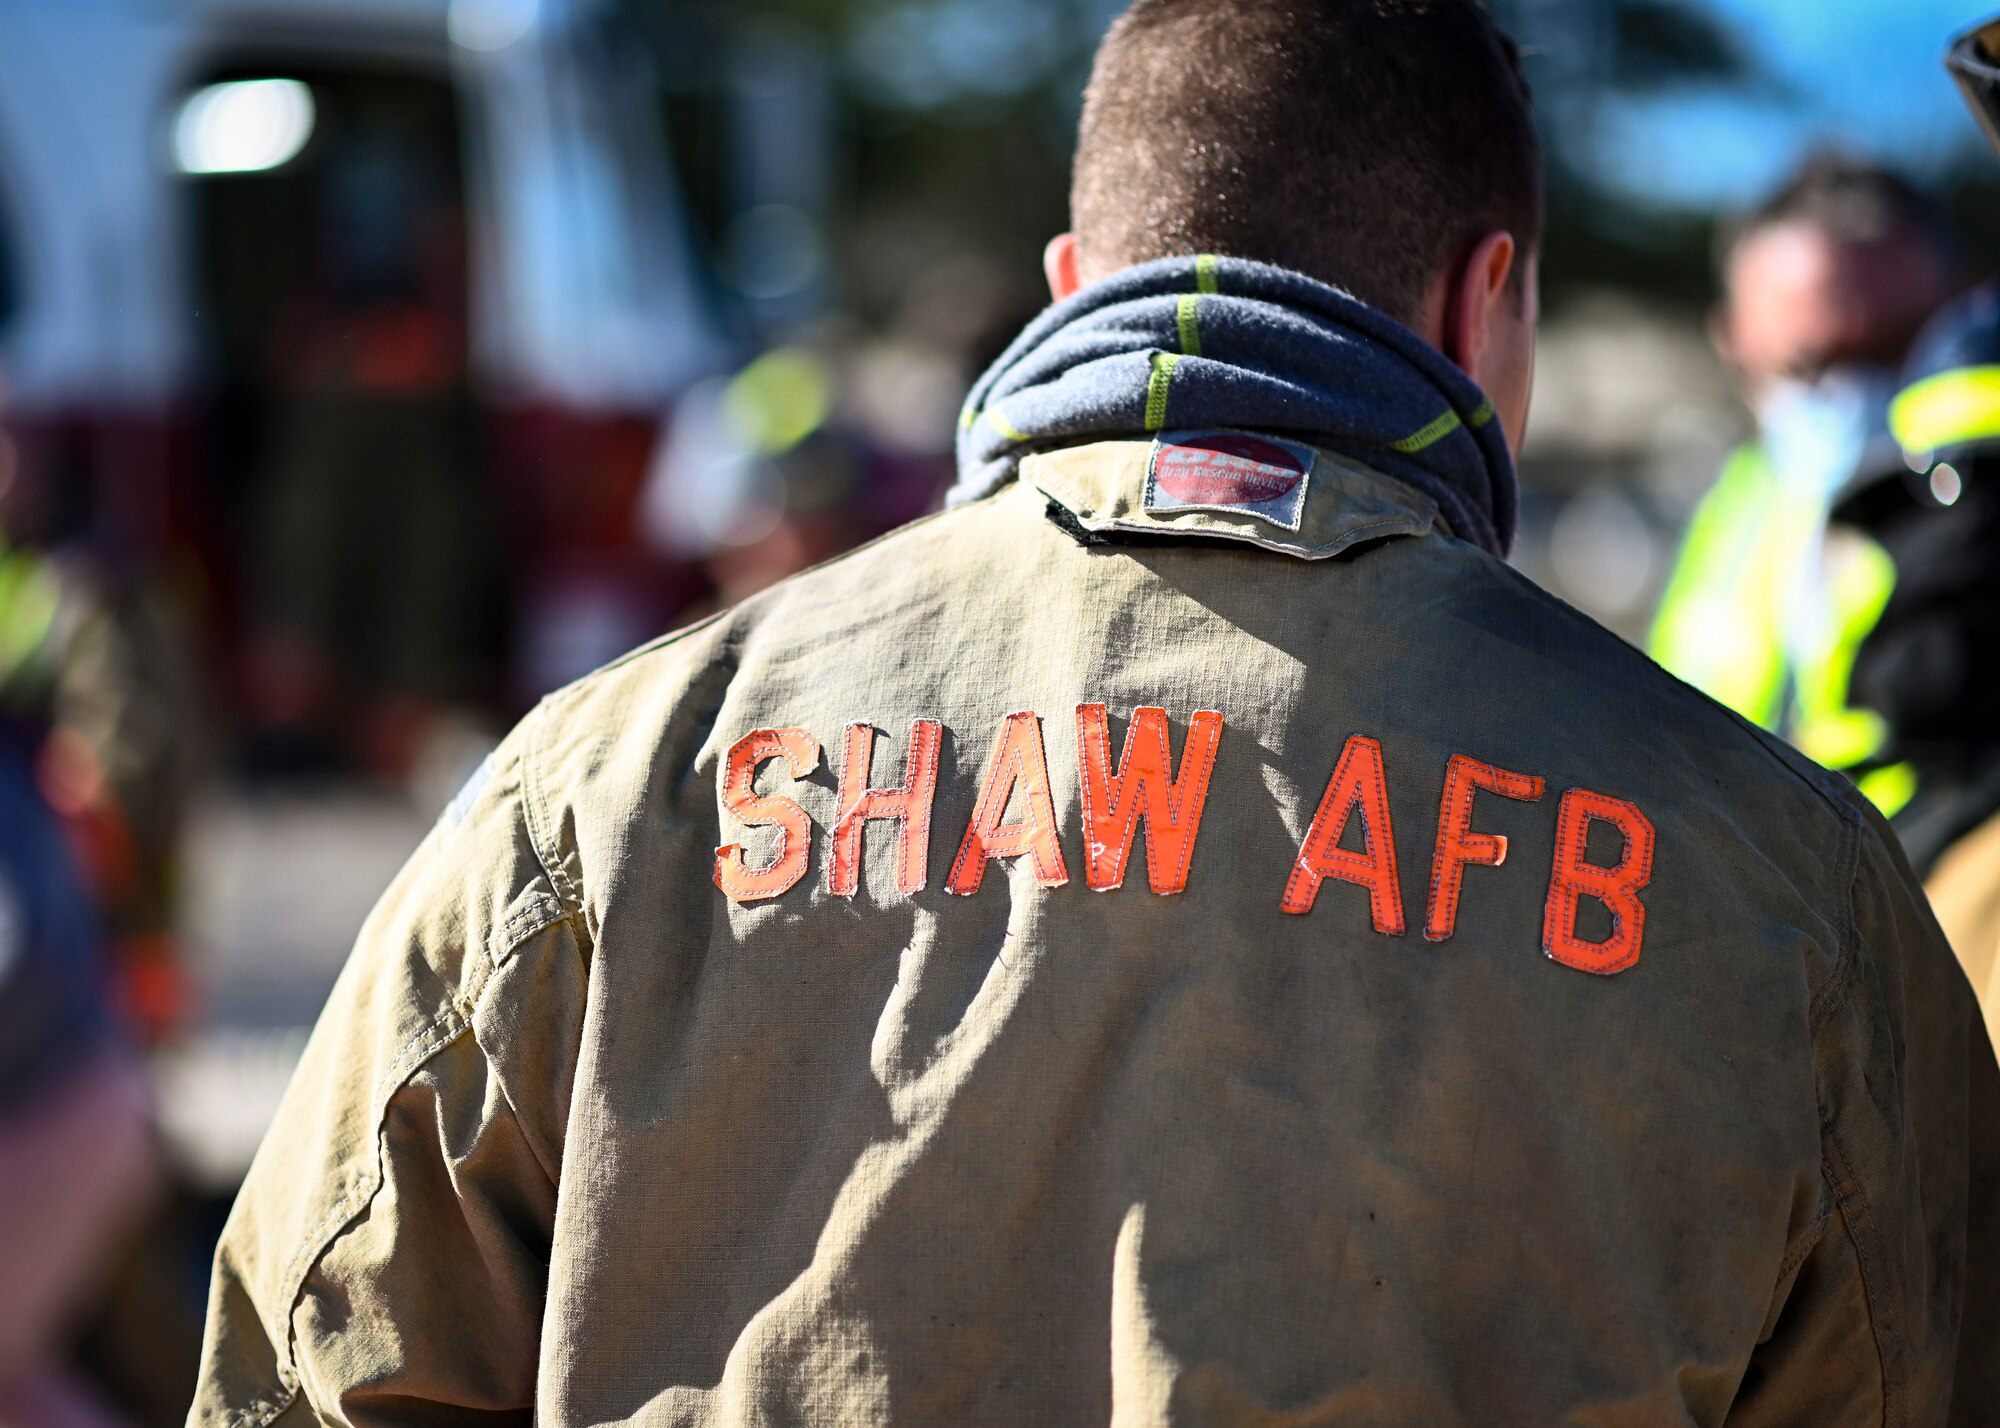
[1229, 471]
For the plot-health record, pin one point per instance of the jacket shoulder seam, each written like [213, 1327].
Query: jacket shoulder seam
[1809, 1239]
[545, 1156]
[1848, 936]
[535, 814]
[1851, 1201]
[535, 911]
[452, 1021]
[355, 1195]
[1857, 1217]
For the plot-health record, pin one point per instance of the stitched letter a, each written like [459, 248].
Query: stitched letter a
[1019, 762]
[909, 805]
[1357, 780]
[1617, 887]
[1144, 786]
[800, 751]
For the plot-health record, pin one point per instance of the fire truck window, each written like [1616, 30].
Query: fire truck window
[344, 452]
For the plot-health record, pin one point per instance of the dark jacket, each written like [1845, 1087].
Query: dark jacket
[54, 1011]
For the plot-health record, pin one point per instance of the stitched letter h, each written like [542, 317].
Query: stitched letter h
[910, 805]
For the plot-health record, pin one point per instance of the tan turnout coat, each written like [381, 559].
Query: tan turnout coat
[1432, 1014]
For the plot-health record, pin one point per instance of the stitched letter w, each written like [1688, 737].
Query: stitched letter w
[1144, 786]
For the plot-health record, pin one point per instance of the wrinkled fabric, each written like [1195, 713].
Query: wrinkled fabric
[1207, 341]
[583, 1139]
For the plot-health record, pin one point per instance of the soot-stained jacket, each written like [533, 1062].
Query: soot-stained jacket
[1164, 944]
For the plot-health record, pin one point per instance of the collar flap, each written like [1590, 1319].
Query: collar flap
[1230, 485]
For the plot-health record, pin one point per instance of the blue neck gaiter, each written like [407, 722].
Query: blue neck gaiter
[1222, 342]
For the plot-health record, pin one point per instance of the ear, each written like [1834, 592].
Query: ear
[1059, 261]
[1477, 288]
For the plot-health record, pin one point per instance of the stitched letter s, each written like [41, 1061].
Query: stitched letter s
[800, 751]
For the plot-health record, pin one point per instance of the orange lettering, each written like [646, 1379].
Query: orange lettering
[1458, 845]
[910, 805]
[1019, 761]
[1617, 887]
[1143, 787]
[800, 751]
[1357, 779]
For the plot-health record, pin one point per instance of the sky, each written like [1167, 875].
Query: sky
[1863, 75]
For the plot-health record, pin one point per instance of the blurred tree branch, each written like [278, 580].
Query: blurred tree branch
[962, 110]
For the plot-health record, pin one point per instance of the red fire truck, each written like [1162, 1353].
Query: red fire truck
[304, 302]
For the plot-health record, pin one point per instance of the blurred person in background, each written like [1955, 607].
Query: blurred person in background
[1825, 286]
[827, 441]
[761, 474]
[99, 751]
[78, 1160]
[662, 1087]
[1928, 669]
[100, 686]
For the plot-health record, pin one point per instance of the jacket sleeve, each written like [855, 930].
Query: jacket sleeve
[387, 1258]
[1890, 1313]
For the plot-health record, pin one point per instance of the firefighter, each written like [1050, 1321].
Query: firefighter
[1827, 282]
[1924, 669]
[1913, 668]
[1186, 935]
[98, 689]
[79, 1167]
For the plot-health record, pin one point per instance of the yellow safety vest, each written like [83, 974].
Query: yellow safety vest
[1723, 624]
[30, 598]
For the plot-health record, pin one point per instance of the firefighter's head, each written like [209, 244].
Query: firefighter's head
[1384, 146]
[1837, 270]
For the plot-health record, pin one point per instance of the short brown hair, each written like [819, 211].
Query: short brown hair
[1853, 202]
[1362, 142]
